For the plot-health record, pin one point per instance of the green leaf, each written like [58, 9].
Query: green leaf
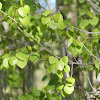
[29, 48]
[45, 20]
[94, 21]
[68, 90]
[5, 62]
[56, 17]
[70, 81]
[53, 60]
[44, 77]
[51, 67]
[90, 14]
[60, 65]
[59, 88]
[52, 25]
[84, 23]
[21, 2]
[61, 24]
[47, 12]
[64, 94]
[27, 9]
[97, 64]
[65, 60]
[12, 60]
[82, 12]
[34, 57]
[67, 68]
[0, 5]
[21, 56]
[23, 11]
[60, 73]
[25, 20]
[35, 92]
[71, 28]
[21, 63]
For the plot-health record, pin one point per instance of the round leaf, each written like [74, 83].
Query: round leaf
[21, 63]
[67, 68]
[45, 20]
[65, 60]
[84, 23]
[52, 60]
[25, 20]
[60, 65]
[5, 62]
[34, 57]
[12, 60]
[52, 25]
[0, 5]
[60, 73]
[59, 88]
[50, 69]
[21, 56]
[68, 90]
[70, 81]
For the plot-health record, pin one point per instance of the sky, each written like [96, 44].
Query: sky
[44, 4]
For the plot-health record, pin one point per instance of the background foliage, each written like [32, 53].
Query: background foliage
[59, 47]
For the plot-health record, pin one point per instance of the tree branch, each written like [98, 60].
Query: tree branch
[48, 5]
[88, 49]
[86, 32]
[95, 7]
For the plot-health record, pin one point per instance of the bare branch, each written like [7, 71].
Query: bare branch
[85, 75]
[56, 6]
[48, 5]
[36, 52]
[40, 6]
[88, 49]
[86, 32]
[95, 7]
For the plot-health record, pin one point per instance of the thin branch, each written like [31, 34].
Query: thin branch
[85, 74]
[77, 63]
[36, 52]
[48, 5]
[86, 31]
[88, 79]
[87, 49]
[95, 7]
[40, 6]
[56, 6]
[29, 35]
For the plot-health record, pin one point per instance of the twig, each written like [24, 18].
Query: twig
[95, 7]
[87, 49]
[77, 63]
[36, 52]
[48, 5]
[40, 6]
[86, 31]
[88, 79]
[56, 6]
[85, 75]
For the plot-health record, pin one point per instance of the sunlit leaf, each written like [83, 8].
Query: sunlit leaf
[53, 60]
[68, 89]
